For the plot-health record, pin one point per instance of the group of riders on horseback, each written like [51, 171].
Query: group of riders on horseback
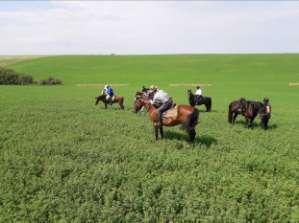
[157, 102]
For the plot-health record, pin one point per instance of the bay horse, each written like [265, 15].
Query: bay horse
[207, 101]
[249, 109]
[181, 114]
[236, 108]
[253, 108]
[115, 99]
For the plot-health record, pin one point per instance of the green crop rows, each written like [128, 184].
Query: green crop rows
[62, 159]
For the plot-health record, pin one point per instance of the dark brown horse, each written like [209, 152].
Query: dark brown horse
[236, 108]
[115, 99]
[249, 109]
[253, 108]
[207, 101]
[181, 114]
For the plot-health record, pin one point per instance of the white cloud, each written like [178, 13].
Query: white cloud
[66, 27]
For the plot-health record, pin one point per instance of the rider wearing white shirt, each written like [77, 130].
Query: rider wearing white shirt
[198, 94]
[198, 91]
[163, 102]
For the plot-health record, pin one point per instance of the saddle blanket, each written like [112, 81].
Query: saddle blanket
[171, 113]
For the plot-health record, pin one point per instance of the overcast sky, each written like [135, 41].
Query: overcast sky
[148, 27]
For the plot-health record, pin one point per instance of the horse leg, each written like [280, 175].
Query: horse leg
[161, 131]
[266, 122]
[251, 122]
[156, 131]
[121, 106]
[247, 123]
[192, 134]
[252, 119]
[234, 117]
[105, 105]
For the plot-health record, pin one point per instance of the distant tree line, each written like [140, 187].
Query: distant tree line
[12, 77]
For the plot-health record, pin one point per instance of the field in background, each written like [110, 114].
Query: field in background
[63, 159]
[9, 60]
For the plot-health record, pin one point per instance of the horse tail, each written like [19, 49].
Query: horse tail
[121, 102]
[230, 114]
[192, 120]
[209, 104]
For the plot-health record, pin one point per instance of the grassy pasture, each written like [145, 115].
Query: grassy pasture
[64, 160]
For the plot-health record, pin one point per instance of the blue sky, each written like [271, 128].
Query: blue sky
[148, 27]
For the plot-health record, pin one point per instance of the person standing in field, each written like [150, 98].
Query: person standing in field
[198, 94]
[162, 102]
[265, 113]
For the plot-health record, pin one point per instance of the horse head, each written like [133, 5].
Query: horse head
[139, 94]
[139, 102]
[191, 97]
[99, 98]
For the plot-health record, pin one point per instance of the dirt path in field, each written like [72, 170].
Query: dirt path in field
[190, 85]
[294, 84]
[101, 85]
[8, 60]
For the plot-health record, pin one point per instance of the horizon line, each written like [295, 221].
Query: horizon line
[149, 54]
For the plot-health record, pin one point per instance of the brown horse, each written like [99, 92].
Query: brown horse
[181, 114]
[249, 109]
[236, 108]
[253, 108]
[115, 99]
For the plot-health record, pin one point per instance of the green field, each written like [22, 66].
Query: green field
[62, 159]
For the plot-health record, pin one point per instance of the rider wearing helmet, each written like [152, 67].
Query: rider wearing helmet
[108, 91]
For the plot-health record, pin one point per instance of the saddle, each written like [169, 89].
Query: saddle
[171, 113]
[111, 99]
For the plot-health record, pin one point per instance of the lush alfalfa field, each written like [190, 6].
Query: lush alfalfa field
[64, 160]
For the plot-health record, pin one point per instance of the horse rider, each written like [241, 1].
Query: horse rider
[108, 91]
[198, 94]
[151, 91]
[162, 102]
[265, 113]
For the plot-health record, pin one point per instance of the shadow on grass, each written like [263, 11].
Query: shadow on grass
[274, 126]
[203, 110]
[199, 140]
[255, 125]
[113, 108]
[206, 140]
